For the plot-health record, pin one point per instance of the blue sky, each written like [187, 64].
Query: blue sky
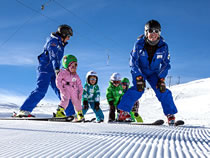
[101, 28]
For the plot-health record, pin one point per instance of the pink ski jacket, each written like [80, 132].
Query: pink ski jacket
[70, 87]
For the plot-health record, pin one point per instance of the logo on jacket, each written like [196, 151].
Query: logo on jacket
[74, 79]
[91, 90]
[120, 92]
[53, 44]
[159, 56]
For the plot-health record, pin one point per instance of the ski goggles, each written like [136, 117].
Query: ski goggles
[92, 79]
[116, 82]
[153, 31]
[125, 84]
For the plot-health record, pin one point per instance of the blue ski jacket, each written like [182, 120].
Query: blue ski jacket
[139, 62]
[53, 52]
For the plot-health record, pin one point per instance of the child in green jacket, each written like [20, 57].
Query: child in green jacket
[134, 112]
[113, 94]
[91, 96]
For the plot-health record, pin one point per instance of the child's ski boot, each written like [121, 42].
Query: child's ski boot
[138, 118]
[171, 119]
[60, 112]
[80, 116]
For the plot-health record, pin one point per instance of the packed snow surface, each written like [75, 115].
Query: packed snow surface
[59, 139]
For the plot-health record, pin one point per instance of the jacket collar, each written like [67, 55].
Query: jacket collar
[141, 41]
[54, 35]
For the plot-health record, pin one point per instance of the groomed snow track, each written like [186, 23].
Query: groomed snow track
[52, 139]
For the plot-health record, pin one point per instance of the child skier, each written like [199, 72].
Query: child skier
[70, 86]
[134, 112]
[113, 94]
[91, 96]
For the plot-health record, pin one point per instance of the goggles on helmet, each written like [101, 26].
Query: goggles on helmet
[92, 79]
[116, 82]
[125, 84]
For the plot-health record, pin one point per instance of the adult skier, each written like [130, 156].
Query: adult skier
[150, 60]
[49, 67]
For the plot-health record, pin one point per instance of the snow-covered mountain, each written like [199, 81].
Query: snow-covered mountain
[53, 139]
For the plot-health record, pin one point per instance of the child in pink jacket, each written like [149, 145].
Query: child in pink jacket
[70, 86]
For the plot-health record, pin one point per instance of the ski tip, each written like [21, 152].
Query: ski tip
[158, 122]
[179, 122]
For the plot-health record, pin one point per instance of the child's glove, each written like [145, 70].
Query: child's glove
[85, 105]
[161, 85]
[140, 83]
[97, 106]
[57, 72]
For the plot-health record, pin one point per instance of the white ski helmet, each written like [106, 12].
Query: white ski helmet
[115, 77]
[91, 73]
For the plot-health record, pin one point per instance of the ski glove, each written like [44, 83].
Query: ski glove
[161, 85]
[85, 105]
[57, 71]
[97, 106]
[140, 83]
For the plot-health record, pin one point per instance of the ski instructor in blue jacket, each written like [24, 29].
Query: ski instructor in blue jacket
[150, 60]
[49, 66]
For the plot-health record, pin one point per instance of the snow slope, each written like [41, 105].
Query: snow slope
[56, 139]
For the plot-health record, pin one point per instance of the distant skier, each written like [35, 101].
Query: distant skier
[70, 86]
[149, 61]
[91, 96]
[49, 65]
[113, 94]
[135, 110]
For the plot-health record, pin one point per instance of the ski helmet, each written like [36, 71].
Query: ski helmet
[152, 24]
[65, 30]
[67, 59]
[115, 77]
[90, 74]
[125, 80]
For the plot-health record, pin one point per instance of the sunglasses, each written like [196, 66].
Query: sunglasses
[116, 82]
[92, 79]
[153, 31]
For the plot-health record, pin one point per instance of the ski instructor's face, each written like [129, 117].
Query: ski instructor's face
[66, 39]
[153, 36]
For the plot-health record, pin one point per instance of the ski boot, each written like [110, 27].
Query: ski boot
[123, 116]
[23, 113]
[99, 121]
[80, 116]
[171, 119]
[60, 112]
[138, 118]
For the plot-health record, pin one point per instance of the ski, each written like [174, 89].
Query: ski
[156, 123]
[55, 119]
[84, 121]
[179, 123]
[90, 120]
